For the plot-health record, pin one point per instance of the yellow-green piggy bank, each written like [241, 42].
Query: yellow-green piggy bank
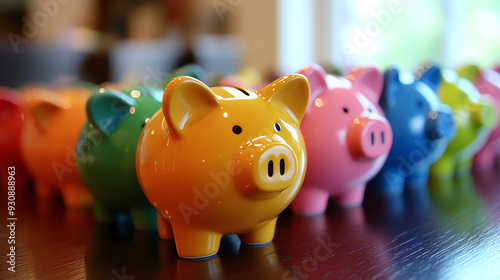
[475, 116]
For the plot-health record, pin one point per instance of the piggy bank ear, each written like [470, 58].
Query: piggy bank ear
[391, 86]
[290, 93]
[316, 76]
[107, 108]
[470, 72]
[186, 101]
[432, 77]
[43, 109]
[191, 70]
[490, 76]
[369, 80]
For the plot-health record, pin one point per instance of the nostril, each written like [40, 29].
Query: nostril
[373, 139]
[270, 168]
[383, 140]
[282, 167]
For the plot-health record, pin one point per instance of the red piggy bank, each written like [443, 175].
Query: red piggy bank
[11, 124]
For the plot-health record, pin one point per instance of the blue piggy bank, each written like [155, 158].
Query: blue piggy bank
[422, 127]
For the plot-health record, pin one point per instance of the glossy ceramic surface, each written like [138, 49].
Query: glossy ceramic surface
[106, 152]
[474, 114]
[107, 144]
[487, 81]
[422, 126]
[347, 138]
[223, 160]
[53, 120]
[11, 124]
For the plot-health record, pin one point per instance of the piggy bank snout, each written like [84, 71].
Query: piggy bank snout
[440, 125]
[269, 169]
[276, 169]
[369, 138]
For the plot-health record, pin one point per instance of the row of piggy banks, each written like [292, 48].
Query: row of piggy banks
[200, 162]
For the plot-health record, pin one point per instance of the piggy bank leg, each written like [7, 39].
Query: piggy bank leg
[164, 227]
[464, 168]
[310, 201]
[22, 179]
[262, 234]
[76, 195]
[389, 181]
[419, 178]
[353, 197]
[443, 169]
[195, 242]
[44, 191]
[102, 214]
[144, 217]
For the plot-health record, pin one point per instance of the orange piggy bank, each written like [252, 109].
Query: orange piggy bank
[53, 123]
[223, 160]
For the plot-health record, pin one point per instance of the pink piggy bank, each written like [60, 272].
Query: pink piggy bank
[488, 82]
[347, 138]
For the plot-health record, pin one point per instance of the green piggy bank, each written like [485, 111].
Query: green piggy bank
[474, 115]
[107, 146]
[106, 152]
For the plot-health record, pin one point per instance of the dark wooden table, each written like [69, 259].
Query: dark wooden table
[450, 231]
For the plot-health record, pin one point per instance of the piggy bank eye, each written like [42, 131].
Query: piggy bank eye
[145, 122]
[420, 104]
[277, 126]
[345, 110]
[237, 129]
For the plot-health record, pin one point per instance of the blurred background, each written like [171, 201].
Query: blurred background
[141, 41]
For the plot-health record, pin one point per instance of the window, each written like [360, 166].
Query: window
[384, 32]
